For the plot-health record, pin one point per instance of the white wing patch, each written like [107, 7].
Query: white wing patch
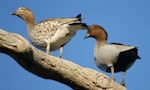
[122, 48]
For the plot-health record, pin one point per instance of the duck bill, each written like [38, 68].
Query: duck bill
[14, 13]
[86, 36]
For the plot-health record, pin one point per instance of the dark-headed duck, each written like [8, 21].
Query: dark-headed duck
[114, 57]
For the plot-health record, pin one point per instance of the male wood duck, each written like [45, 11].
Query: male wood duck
[114, 57]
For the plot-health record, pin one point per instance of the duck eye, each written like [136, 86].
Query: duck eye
[93, 29]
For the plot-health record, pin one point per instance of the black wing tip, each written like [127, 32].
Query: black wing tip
[138, 57]
[118, 43]
[78, 16]
[136, 52]
[85, 25]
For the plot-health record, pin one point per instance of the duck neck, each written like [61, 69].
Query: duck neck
[100, 43]
[30, 22]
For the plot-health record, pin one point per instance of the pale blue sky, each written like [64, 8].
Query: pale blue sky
[125, 21]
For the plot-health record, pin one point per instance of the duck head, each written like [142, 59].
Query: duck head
[25, 14]
[97, 32]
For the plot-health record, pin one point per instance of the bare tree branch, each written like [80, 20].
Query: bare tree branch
[50, 67]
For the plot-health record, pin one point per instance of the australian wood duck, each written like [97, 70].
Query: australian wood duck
[114, 57]
[50, 34]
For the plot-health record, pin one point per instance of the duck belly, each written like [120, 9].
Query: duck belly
[106, 56]
[59, 39]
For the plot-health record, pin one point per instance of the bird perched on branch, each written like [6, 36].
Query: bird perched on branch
[114, 57]
[50, 34]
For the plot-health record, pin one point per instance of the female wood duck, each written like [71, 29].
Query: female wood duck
[50, 34]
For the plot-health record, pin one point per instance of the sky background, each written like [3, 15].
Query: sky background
[126, 21]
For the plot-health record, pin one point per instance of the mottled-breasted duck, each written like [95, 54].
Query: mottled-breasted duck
[114, 57]
[50, 34]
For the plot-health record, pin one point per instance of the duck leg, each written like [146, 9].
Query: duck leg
[48, 48]
[112, 72]
[123, 78]
[60, 52]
